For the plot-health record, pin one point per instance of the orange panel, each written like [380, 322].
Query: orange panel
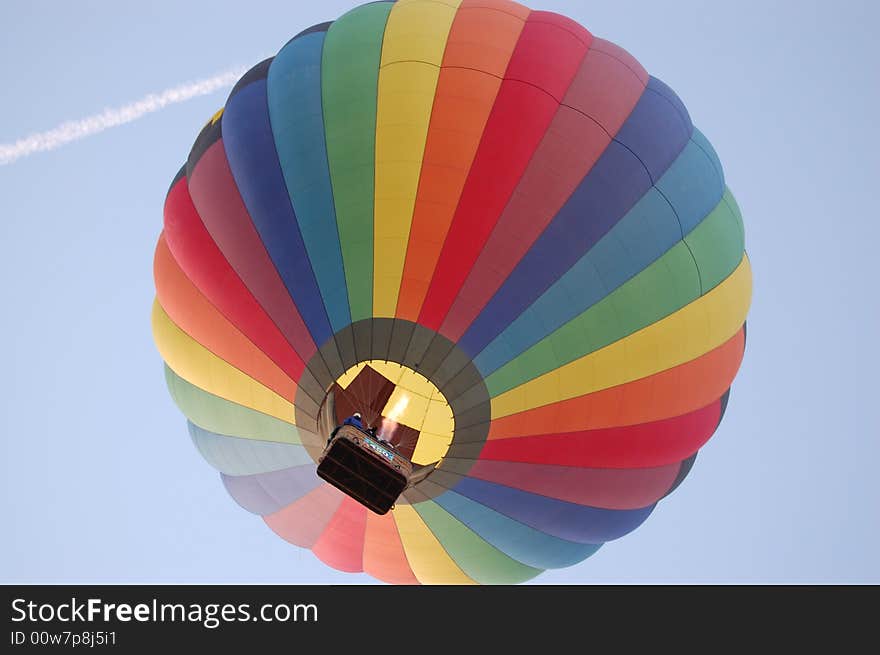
[673, 392]
[480, 44]
[482, 37]
[384, 557]
[513, 8]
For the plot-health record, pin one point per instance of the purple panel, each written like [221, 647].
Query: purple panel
[266, 493]
[658, 128]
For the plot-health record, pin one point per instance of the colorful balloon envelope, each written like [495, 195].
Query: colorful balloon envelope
[489, 231]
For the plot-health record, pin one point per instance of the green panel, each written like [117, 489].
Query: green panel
[479, 560]
[668, 284]
[734, 207]
[225, 417]
[349, 82]
[717, 243]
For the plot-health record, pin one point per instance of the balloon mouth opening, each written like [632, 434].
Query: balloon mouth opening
[408, 381]
[404, 407]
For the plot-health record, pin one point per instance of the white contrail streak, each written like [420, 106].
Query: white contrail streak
[79, 129]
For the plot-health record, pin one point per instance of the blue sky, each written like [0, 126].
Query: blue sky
[100, 480]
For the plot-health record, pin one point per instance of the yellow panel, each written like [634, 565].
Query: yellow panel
[431, 448]
[439, 418]
[412, 51]
[414, 407]
[396, 373]
[199, 366]
[416, 383]
[389, 370]
[426, 556]
[349, 376]
[417, 31]
[690, 332]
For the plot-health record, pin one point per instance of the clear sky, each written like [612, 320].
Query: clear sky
[101, 482]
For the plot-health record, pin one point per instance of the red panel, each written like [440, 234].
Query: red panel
[203, 263]
[302, 523]
[342, 543]
[598, 101]
[545, 60]
[567, 152]
[481, 41]
[195, 315]
[614, 50]
[643, 445]
[596, 487]
[222, 210]
[548, 52]
[608, 86]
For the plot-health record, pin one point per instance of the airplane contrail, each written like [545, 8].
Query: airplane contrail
[79, 129]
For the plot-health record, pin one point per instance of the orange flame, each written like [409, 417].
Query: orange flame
[389, 422]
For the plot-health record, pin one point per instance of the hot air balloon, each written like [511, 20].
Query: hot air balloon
[494, 235]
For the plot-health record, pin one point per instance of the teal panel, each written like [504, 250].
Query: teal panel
[695, 184]
[236, 456]
[296, 115]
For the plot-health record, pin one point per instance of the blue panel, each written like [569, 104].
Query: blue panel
[250, 149]
[569, 521]
[688, 191]
[296, 115]
[520, 542]
[266, 493]
[657, 123]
